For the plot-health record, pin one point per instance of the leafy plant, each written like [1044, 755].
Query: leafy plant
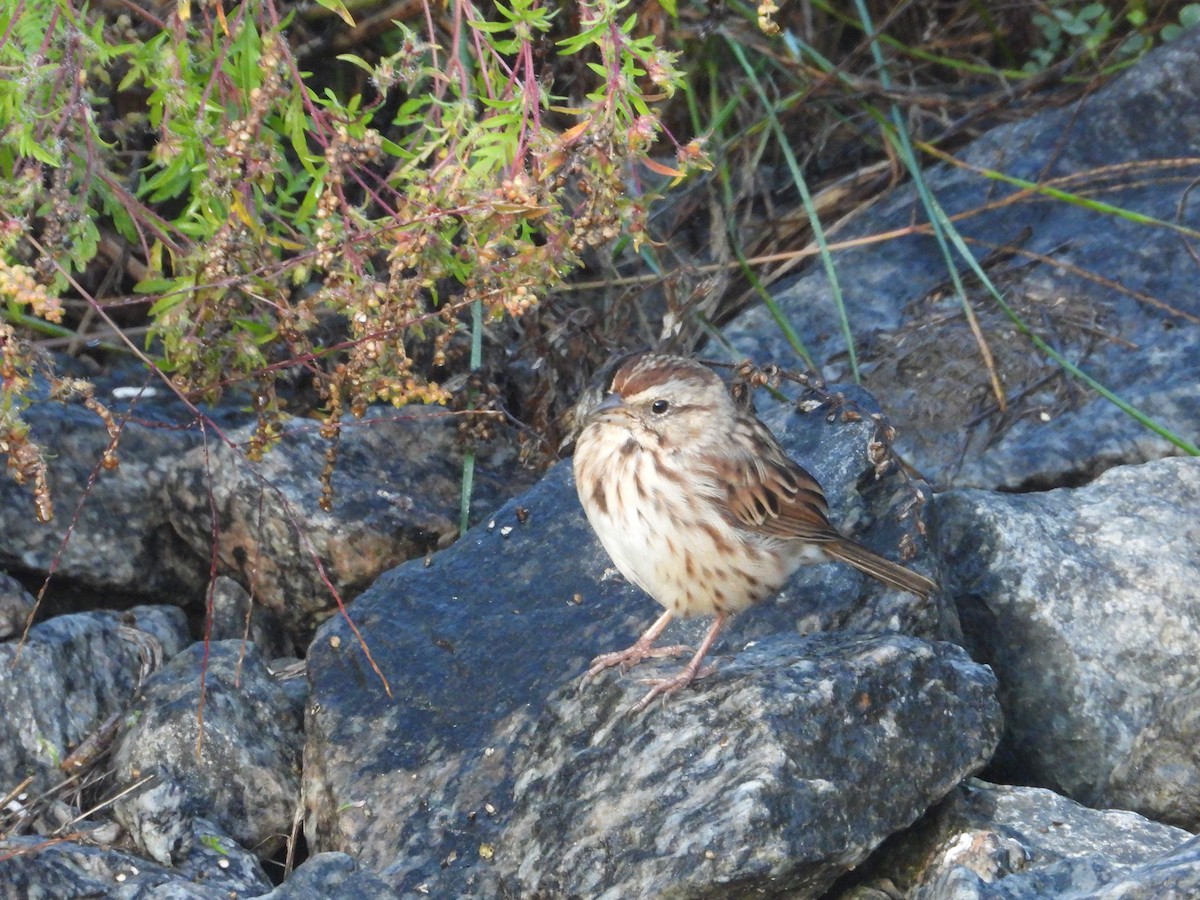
[1189, 17]
[1095, 29]
[1061, 26]
[269, 209]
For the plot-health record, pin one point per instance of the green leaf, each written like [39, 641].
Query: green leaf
[28, 146]
[357, 61]
[168, 302]
[584, 39]
[263, 332]
[490, 27]
[154, 286]
[338, 7]
[211, 841]
[1076, 27]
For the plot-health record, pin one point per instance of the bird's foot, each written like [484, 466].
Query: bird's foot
[631, 656]
[661, 687]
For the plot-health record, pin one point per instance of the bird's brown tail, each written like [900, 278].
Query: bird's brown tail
[890, 573]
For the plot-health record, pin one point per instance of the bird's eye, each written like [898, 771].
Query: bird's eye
[658, 407]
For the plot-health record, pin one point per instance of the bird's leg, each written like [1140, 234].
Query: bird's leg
[644, 648]
[691, 671]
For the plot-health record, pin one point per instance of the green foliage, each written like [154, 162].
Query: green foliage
[51, 67]
[212, 841]
[265, 204]
[1090, 29]
[1189, 17]
[50, 750]
[1063, 27]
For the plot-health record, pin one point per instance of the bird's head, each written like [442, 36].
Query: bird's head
[670, 400]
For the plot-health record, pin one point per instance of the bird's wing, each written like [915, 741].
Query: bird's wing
[766, 491]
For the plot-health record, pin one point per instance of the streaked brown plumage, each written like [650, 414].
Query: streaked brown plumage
[699, 506]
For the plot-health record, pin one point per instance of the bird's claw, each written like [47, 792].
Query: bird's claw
[630, 657]
[661, 687]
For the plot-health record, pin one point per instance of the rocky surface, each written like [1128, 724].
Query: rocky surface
[1084, 602]
[143, 531]
[332, 875]
[1117, 297]
[16, 606]
[68, 677]
[1174, 874]
[987, 841]
[396, 496]
[241, 773]
[110, 533]
[786, 771]
[235, 616]
[215, 868]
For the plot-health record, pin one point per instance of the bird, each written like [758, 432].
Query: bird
[697, 504]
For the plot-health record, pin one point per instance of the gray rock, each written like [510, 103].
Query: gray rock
[1162, 771]
[235, 616]
[332, 875]
[246, 778]
[1084, 603]
[1114, 296]
[1173, 876]
[70, 675]
[396, 496]
[418, 784]
[35, 868]
[212, 856]
[987, 842]
[119, 541]
[16, 605]
[289, 673]
[885, 512]
[790, 766]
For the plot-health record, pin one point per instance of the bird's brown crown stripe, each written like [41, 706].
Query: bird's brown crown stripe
[651, 371]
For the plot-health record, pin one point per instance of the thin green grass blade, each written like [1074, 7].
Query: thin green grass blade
[809, 208]
[468, 475]
[944, 229]
[1098, 206]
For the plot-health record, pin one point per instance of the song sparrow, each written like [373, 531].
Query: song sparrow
[699, 506]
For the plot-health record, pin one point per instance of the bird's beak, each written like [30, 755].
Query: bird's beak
[610, 401]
